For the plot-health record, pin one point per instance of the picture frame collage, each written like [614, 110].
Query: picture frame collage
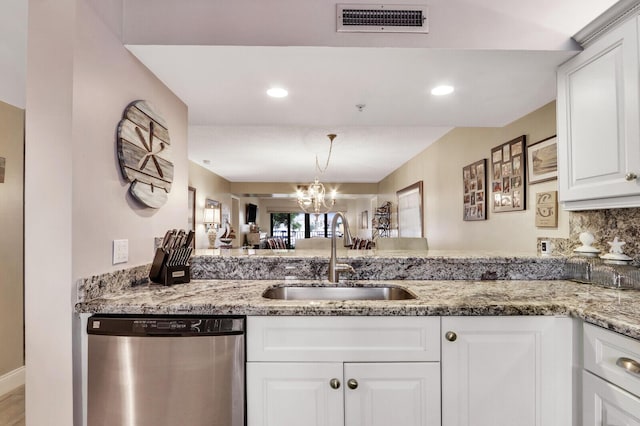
[508, 174]
[474, 178]
[514, 165]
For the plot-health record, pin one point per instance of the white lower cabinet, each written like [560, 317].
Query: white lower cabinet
[607, 405]
[294, 394]
[351, 371]
[350, 394]
[507, 371]
[611, 378]
[392, 393]
[410, 371]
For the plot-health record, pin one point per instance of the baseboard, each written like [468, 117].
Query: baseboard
[11, 380]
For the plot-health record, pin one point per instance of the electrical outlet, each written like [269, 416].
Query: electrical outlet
[120, 251]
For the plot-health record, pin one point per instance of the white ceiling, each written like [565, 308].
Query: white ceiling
[248, 136]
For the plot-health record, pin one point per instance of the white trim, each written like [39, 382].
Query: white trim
[621, 11]
[12, 380]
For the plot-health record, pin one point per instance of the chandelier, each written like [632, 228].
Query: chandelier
[312, 198]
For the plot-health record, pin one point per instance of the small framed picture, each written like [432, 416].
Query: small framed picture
[543, 160]
[473, 196]
[547, 209]
[508, 175]
[506, 152]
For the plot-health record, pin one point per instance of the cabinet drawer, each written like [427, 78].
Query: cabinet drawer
[343, 338]
[607, 405]
[603, 348]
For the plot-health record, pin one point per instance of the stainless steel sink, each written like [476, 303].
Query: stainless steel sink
[337, 293]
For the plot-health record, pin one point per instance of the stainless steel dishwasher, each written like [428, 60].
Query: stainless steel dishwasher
[172, 370]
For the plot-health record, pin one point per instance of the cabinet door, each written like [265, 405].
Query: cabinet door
[505, 371]
[604, 404]
[294, 394]
[598, 124]
[383, 394]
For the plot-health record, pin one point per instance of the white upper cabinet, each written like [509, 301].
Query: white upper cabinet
[598, 123]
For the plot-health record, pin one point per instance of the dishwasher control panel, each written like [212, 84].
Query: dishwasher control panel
[164, 326]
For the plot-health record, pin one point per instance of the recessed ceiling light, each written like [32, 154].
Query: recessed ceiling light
[277, 92]
[442, 90]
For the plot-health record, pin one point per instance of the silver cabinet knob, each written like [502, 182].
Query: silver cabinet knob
[334, 383]
[630, 176]
[631, 366]
[352, 383]
[451, 336]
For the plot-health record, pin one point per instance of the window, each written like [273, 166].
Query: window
[293, 226]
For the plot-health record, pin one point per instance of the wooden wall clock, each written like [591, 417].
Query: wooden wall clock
[144, 154]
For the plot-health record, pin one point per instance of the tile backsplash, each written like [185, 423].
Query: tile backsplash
[605, 225]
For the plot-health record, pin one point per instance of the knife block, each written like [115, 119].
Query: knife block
[161, 273]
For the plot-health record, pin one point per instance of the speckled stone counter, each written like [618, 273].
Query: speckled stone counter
[372, 265]
[613, 309]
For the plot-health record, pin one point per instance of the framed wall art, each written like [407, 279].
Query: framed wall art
[508, 174]
[542, 160]
[410, 211]
[474, 178]
[547, 209]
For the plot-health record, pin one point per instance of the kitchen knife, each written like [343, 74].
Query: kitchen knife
[189, 239]
[172, 239]
[165, 240]
[179, 239]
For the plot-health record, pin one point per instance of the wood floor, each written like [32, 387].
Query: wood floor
[12, 408]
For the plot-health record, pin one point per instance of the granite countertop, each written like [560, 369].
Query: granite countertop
[613, 309]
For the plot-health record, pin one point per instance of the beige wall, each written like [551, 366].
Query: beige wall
[79, 80]
[11, 243]
[208, 185]
[440, 168]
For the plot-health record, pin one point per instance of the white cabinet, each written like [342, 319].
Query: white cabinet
[505, 371]
[599, 124]
[351, 394]
[611, 380]
[392, 393]
[607, 405]
[334, 371]
[294, 394]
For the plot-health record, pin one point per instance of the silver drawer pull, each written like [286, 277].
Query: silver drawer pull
[631, 366]
[334, 383]
[631, 177]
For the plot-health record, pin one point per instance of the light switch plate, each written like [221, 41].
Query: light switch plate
[120, 251]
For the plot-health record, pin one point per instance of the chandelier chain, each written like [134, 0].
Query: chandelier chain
[320, 169]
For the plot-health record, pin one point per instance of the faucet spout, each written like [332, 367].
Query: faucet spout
[334, 267]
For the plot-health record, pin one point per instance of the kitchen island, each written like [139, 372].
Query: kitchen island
[613, 309]
[489, 311]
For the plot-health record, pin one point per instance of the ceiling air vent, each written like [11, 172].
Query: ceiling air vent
[381, 18]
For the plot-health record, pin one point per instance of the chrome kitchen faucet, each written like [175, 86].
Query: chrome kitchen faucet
[334, 267]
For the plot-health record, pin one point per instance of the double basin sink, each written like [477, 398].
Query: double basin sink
[333, 292]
